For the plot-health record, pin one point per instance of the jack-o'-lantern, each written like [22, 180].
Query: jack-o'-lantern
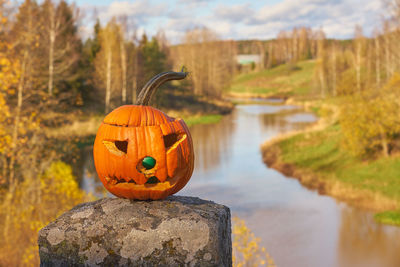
[140, 152]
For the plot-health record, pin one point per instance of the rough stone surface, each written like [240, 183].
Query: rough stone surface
[177, 231]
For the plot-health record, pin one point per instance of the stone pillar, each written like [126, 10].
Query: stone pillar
[177, 231]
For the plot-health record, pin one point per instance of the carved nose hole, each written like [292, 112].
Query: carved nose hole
[118, 148]
[171, 139]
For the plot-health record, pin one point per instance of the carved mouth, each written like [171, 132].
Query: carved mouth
[118, 180]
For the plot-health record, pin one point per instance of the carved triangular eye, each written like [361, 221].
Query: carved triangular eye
[116, 147]
[173, 139]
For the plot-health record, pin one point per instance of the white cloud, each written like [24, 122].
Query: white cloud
[141, 11]
[337, 17]
[248, 19]
[234, 13]
[194, 3]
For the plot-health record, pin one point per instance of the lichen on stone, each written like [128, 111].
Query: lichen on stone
[177, 231]
[55, 236]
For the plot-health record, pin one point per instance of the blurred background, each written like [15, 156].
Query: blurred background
[277, 89]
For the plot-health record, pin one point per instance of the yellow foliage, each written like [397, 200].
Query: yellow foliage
[36, 202]
[371, 121]
[9, 69]
[5, 137]
[9, 77]
[246, 248]
[58, 181]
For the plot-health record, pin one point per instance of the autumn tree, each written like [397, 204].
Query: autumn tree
[304, 36]
[321, 67]
[333, 69]
[87, 65]
[92, 44]
[24, 37]
[370, 120]
[359, 51]
[10, 72]
[134, 67]
[283, 43]
[59, 42]
[210, 61]
[123, 27]
[154, 59]
[107, 62]
[131, 56]
[378, 53]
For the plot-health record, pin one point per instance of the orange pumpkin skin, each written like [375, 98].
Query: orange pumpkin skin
[132, 132]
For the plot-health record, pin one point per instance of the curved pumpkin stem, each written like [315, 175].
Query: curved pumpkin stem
[151, 86]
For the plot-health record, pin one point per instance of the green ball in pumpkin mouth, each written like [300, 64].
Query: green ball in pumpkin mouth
[148, 163]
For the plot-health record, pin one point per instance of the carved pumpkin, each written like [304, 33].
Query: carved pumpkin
[140, 152]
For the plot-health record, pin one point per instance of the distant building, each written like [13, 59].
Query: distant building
[248, 59]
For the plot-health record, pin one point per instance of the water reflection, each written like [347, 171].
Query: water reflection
[212, 142]
[90, 181]
[364, 243]
[297, 226]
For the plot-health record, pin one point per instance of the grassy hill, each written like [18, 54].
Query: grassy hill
[282, 81]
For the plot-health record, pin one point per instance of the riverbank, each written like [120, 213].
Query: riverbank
[316, 158]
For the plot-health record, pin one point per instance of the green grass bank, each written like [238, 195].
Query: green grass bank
[318, 160]
[283, 81]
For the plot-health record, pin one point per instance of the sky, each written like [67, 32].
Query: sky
[238, 20]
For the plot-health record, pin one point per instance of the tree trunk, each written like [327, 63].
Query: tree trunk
[334, 78]
[384, 144]
[52, 34]
[108, 78]
[322, 80]
[4, 171]
[135, 78]
[21, 85]
[387, 55]
[51, 62]
[7, 203]
[12, 181]
[378, 62]
[358, 67]
[123, 67]
[261, 49]
[270, 51]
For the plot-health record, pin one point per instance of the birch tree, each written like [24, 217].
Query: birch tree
[60, 40]
[377, 42]
[123, 50]
[210, 61]
[334, 68]
[107, 62]
[359, 44]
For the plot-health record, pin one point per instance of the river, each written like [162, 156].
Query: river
[297, 226]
